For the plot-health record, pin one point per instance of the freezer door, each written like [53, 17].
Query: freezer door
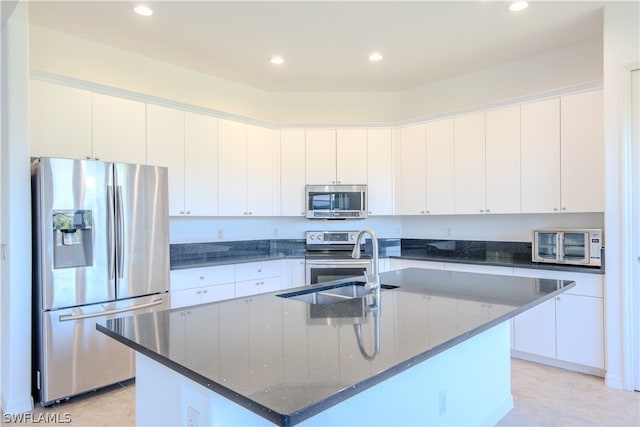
[142, 230]
[74, 357]
[72, 240]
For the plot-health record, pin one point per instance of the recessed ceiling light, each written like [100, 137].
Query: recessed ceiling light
[518, 5]
[375, 56]
[143, 10]
[278, 60]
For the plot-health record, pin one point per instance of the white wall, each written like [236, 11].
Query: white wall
[187, 230]
[507, 228]
[15, 230]
[65, 55]
[621, 53]
[519, 80]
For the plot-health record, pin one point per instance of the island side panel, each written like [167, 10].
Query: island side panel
[468, 384]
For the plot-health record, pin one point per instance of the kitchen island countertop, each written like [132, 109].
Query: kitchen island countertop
[287, 360]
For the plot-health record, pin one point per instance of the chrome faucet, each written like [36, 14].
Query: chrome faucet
[373, 283]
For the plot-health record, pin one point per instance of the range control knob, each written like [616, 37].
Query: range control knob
[319, 236]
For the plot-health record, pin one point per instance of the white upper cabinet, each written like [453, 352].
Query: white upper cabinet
[336, 157]
[320, 156]
[351, 156]
[75, 123]
[540, 167]
[232, 168]
[186, 143]
[440, 167]
[582, 152]
[118, 129]
[503, 160]
[165, 147]
[380, 171]
[246, 175]
[201, 165]
[261, 173]
[563, 154]
[469, 149]
[60, 121]
[411, 170]
[292, 172]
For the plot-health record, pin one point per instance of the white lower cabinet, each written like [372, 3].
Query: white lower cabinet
[293, 274]
[569, 328]
[476, 268]
[398, 264]
[566, 331]
[258, 277]
[191, 286]
[257, 286]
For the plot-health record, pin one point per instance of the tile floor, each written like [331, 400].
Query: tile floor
[543, 396]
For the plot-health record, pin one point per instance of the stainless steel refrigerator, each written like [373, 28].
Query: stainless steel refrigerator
[101, 250]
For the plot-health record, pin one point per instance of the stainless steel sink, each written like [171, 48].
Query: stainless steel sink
[332, 294]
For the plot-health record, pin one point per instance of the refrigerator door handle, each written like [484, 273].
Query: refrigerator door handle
[67, 317]
[119, 232]
[110, 226]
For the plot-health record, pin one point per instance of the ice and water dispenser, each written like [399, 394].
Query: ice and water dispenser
[73, 238]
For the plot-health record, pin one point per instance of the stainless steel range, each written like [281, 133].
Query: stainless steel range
[329, 258]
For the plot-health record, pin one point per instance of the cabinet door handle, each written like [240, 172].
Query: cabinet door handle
[204, 291]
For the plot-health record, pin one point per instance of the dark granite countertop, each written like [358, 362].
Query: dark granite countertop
[503, 254]
[287, 360]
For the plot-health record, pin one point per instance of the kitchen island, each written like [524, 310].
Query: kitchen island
[433, 350]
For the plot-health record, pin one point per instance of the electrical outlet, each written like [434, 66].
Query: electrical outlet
[442, 403]
[220, 233]
[275, 231]
[192, 417]
[447, 231]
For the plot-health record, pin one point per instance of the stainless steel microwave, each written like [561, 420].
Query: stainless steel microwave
[336, 201]
[568, 246]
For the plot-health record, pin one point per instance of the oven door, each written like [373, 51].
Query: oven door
[326, 270]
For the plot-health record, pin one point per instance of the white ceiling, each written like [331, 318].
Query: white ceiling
[326, 43]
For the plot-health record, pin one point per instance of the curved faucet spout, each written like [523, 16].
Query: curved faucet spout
[373, 283]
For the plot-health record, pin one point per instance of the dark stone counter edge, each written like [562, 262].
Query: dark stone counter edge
[311, 410]
[256, 258]
[532, 265]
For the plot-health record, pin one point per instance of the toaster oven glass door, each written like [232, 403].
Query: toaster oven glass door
[547, 246]
[575, 247]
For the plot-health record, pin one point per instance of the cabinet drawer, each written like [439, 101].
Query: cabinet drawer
[257, 270]
[185, 297]
[586, 284]
[189, 278]
[398, 264]
[218, 292]
[475, 268]
[257, 286]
